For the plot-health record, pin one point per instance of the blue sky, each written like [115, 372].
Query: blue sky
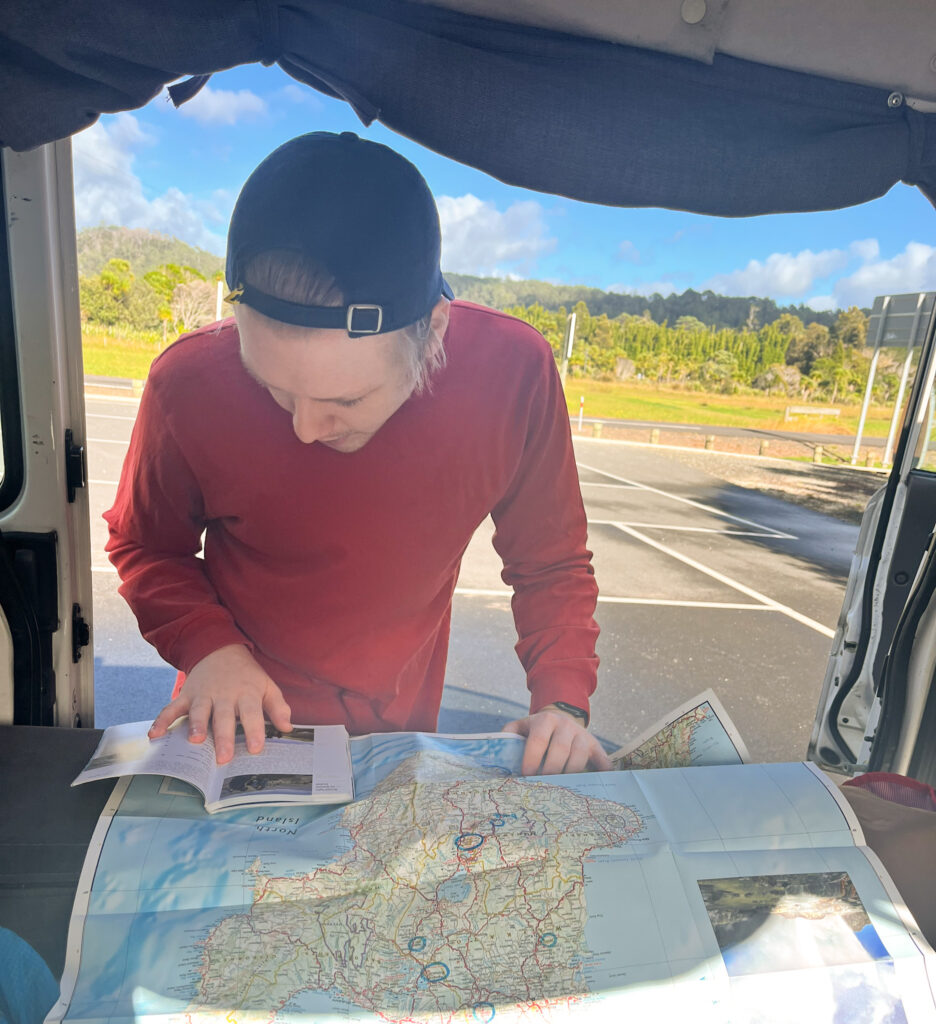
[179, 172]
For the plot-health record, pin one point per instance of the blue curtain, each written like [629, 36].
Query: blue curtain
[595, 121]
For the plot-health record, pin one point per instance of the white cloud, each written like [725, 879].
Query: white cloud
[302, 94]
[644, 288]
[821, 303]
[865, 249]
[107, 191]
[781, 274]
[913, 270]
[628, 252]
[477, 238]
[223, 106]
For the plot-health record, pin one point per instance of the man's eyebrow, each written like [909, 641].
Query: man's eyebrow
[259, 380]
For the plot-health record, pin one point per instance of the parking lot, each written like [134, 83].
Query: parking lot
[702, 584]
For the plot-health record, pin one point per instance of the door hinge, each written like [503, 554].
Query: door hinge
[76, 468]
[81, 633]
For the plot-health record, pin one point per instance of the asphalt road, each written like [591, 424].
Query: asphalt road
[703, 584]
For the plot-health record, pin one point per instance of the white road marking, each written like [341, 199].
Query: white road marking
[603, 599]
[104, 568]
[618, 487]
[689, 501]
[680, 529]
[127, 399]
[107, 483]
[109, 416]
[107, 440]
[728, 581]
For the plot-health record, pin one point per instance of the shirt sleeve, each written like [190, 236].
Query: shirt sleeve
[155, 527]
[541, 535]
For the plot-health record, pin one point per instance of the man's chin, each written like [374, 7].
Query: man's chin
[347, 443]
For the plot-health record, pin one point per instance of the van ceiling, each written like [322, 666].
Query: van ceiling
[720, 109]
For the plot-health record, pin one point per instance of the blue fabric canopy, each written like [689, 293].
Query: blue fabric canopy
[584, 118]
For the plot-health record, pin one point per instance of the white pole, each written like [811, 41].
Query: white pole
[904, 376]
[581, 411]
[564, 368]
[220, 300]
[864, 407]
[856, 451]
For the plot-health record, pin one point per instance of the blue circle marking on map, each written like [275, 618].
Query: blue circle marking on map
[468, 841]
[548, 939]
[416, 944]
[436, 971]
[483, 1013]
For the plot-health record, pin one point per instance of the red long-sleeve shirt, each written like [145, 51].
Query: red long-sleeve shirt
[337, 569]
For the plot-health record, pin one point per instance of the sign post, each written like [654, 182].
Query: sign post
[570, 341]
[895, 320]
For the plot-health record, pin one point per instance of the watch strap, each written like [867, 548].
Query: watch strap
[571, 709]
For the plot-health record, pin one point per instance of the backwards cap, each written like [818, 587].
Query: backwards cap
[357, 209]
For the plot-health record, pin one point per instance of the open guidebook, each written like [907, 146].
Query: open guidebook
[309, 765]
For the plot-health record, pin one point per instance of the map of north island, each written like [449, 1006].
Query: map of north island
[454, 891]
[463, 890]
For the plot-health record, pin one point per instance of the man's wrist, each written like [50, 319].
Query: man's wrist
[580, 714]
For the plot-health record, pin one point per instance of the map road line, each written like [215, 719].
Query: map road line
[728, 581]
[688, 501]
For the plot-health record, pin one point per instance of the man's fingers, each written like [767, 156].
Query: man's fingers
[169, 714]
[519, 726]
[536, 744]
[223, 721]
[199, 715]
[598, 758]
[277, 710]
[561, 746]
[580, 753]
[251, 717]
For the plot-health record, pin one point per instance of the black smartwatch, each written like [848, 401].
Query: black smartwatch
[570, 709]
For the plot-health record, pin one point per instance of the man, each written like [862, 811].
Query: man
[338, 444]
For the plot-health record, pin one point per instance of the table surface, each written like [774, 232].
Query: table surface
[46, 829]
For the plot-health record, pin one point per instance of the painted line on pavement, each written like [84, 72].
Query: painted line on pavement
[679, 529]
[728, 581]
[603, 599]
[689, 501]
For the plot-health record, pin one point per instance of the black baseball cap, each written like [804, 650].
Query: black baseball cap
[357, 209]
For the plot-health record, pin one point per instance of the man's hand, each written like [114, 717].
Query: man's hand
[556, 742]
[223, 687]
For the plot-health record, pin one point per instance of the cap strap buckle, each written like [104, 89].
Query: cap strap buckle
[369, 323]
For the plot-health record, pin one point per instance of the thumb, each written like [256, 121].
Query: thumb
[520, 726]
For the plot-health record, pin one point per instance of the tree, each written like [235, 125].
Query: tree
[851, 327]
[164, 282]
[193, 305]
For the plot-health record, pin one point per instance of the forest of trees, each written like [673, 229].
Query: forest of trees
[141, 281]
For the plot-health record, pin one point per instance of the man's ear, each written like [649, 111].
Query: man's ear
[440, 317]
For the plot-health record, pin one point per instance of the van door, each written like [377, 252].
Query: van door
[877, 710]
[46, 663]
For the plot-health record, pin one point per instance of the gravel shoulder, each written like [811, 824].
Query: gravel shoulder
[839, 491]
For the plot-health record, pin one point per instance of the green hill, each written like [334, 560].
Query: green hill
[718, 311]
[143, 250]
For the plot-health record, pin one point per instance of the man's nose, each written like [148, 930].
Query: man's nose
[311, 422]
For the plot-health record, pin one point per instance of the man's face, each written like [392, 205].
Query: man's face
[338, 390]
